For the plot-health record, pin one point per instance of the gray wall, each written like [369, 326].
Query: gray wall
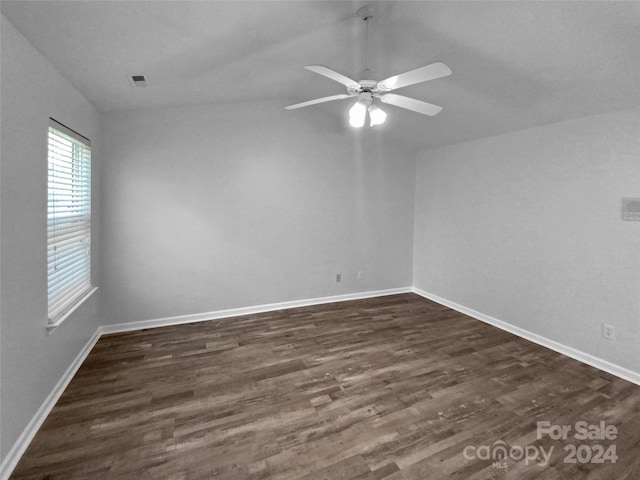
[32, 362]
[226, 206]
[209, 208]
[526, 227]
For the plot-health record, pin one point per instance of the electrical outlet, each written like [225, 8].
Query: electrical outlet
[608, 331]
[360, 275]
[338, 278]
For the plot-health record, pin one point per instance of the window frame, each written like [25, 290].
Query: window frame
[69, 229]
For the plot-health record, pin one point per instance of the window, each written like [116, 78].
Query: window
[68, 221]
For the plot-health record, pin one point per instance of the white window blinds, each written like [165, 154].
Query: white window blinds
[68, 220]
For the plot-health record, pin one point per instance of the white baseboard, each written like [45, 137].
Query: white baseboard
[18, 449]
[583, 357]
[236, 312]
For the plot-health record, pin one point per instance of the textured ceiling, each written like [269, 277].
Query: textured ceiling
[515, 64]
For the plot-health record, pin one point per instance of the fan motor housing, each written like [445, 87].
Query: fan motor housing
[364, 86]
[368, 84]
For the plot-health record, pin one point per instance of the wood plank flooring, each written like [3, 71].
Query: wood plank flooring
[389, 388]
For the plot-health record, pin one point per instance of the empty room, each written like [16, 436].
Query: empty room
[319, 240]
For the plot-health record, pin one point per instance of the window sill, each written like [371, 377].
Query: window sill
[52, 326]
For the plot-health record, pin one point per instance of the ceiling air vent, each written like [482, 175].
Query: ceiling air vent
[138, 81]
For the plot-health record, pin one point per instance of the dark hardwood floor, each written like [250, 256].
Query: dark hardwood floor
[389, 388]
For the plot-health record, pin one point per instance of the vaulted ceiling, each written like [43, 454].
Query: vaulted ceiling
[515, 64]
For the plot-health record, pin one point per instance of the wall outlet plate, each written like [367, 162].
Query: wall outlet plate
[608, 331]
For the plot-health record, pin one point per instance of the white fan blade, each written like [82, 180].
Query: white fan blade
[411, 104]
[318, 100]
[422, 74]
[333, 75]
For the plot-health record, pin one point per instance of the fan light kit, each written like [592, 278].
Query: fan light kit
[368, 90]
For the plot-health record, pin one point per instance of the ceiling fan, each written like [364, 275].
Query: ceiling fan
[368, 90]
